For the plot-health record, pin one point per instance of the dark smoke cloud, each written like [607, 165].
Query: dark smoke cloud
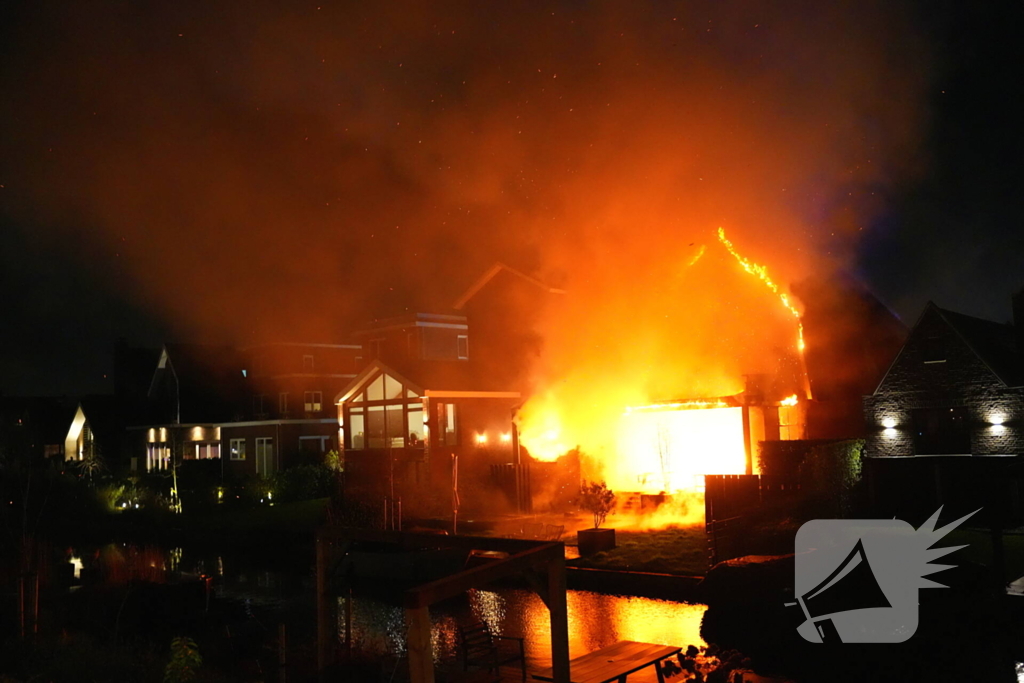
[255, 171]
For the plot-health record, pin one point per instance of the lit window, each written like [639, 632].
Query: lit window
[356, 430]
[449, 422]
[237, 449]
[313, 401]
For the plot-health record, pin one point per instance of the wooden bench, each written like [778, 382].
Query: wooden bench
[615, 662]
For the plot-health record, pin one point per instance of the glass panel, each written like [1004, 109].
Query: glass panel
[409, 393]
[414, 426]
[392, 388]
[355, 410]
[450, 428]
[375, 427]
[396, 427]
[356, 427]
[375, 392]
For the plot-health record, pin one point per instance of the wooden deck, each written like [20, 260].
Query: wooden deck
[615, 662]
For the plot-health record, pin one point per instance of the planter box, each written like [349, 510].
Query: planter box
[595, 540]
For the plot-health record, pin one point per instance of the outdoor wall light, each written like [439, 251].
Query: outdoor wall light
[481, 439]
[506, 437]
[889, 423]
[997, 420]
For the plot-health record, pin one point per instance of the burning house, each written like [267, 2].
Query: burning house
[697, 397]
[700, 389]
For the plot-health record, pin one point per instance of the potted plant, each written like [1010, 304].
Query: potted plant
[596, 499]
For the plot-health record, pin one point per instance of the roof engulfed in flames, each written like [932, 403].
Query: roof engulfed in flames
[638, 440]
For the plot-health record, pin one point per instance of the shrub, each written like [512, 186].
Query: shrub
[596, 499]
[303, 482]
[185, 660]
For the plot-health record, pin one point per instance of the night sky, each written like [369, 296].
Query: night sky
[240, 173]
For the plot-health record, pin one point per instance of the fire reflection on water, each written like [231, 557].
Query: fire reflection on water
[595, 621]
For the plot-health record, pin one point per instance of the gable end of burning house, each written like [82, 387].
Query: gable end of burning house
[953, 389]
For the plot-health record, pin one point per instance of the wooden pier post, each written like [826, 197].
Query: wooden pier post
[559, 612]
[421, 655]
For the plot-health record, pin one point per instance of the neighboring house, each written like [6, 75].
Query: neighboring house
[425, 404]
[97, 429]
[406, 435]
[955, 388]
[255, 410]
[944, 423]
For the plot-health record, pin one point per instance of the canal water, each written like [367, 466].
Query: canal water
[280, 590]
[596, 620]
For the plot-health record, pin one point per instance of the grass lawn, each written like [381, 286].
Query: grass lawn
[681, 550]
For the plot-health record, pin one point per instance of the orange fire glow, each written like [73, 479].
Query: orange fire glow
[762, 273]
[702, 331]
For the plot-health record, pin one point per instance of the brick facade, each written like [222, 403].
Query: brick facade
[947, 363]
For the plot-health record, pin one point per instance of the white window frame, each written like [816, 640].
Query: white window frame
[262, 443]
[458, 348]
[237, 453]
[313, 401]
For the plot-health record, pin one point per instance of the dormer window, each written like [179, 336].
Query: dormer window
[386, 414]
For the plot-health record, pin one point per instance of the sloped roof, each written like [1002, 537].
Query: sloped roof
[429, 376]
[994, 343]
[210, 377]
[493, 272]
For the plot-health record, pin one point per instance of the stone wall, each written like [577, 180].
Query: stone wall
[994, 410]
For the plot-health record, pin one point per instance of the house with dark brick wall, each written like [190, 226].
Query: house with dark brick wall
[255, 409]
[955, 388]
[944, 425]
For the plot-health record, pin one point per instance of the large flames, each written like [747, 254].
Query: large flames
[626, 416]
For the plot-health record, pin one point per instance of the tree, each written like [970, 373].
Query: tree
[597, 499]
[92, 462]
